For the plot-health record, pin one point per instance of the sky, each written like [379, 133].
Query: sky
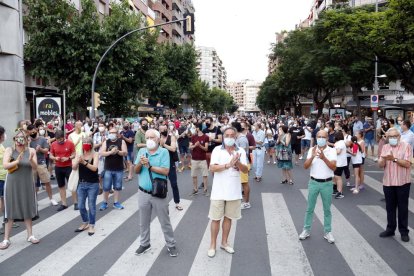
[242, 30]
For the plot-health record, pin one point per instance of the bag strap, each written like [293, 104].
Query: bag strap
[149, 171]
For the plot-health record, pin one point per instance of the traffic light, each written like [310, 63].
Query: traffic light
[189, 23]
[96, 99]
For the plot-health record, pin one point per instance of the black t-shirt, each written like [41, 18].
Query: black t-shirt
[183, 141]
[216, 130]
[294, 133]
[331, 137]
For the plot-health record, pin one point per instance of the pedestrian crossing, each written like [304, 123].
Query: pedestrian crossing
[286, 254]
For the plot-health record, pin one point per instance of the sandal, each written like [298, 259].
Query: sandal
[291, 182]
[258, 179]
[4, 244]
[91, 231]
[33, 240]
[80, 229]
[178, 207]
[284, 181]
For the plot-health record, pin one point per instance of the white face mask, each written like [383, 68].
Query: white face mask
[42, 132]
[151, 144]
[229, 142]
[101, 129]
[171, 127]
[112, 136]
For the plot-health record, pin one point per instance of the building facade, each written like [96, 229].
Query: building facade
[210, 68]
[272, 60]
[244, 94]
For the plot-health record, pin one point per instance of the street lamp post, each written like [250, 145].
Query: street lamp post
[375, 114]
[186, 18]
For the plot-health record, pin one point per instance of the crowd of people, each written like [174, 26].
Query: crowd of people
[96, 156]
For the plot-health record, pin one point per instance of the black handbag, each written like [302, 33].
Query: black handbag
[271, 143]
[159, 186]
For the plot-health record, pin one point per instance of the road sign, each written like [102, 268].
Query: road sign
[374, 102]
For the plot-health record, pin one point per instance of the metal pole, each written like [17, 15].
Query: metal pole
[110, 48]
[34, 104]
[64, 107]
[375, 113]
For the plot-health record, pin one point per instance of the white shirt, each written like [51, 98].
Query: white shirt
[308, 134]
[408, 137]
[348, 139]
[341, 159]
[226, 184]
[318, 168]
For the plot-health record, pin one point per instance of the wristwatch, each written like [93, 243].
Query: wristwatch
[395, 160]
[149, 168]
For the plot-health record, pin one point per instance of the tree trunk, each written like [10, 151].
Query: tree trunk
[355, 92]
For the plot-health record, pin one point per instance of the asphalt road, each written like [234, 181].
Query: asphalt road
[265, 239]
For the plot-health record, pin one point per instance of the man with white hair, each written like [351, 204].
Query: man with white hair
[155, 160]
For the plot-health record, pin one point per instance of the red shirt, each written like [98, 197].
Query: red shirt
[198, 153]
[64, 150]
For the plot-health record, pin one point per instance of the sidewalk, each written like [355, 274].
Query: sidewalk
[376, 154]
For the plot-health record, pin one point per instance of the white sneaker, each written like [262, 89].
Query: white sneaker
[245, 205]
[301, 157]
[54, 202]
[375, 159]
[348, 184]
[274, 163]
[304, 235]
[329, 237]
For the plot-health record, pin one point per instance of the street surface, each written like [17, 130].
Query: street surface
[265, 239]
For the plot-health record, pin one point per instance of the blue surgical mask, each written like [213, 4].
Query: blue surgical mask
[321, 142]
[393, 141]
[229, 142]
[111, 136]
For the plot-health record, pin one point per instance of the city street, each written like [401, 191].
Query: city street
[265, 239]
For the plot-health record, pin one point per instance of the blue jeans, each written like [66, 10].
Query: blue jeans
[90, 191]
[112, 179]
[258, 159]
[172, 176]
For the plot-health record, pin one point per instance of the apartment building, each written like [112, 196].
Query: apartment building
[273, 62]
[244, 94]
[210, 67]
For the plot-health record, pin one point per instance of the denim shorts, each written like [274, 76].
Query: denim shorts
[112, 179]
[369, 142]
[305, 143]
[130, 156]
[1, 188]
[183, 149]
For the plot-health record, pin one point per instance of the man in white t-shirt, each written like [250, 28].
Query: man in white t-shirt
[322, 163]
[227, 161]
[306, 141]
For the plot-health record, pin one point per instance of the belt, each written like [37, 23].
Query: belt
[321, 180]
[259, 148]
[145, 191]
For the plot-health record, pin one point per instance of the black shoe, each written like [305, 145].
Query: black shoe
[75, 207]
[52, 177]
[339, 195]
[142, 249]
[405, 238]
[386, 233]
[334, 192]
[173, 251]
[61, 208]
[201, 186]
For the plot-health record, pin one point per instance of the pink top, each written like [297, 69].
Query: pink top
[395, 175]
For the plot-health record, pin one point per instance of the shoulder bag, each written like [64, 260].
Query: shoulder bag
[159, 186]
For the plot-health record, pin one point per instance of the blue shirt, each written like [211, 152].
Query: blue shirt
[161, 158]
[129, 134]
[369, 135]
[412, 128]
[259, 136]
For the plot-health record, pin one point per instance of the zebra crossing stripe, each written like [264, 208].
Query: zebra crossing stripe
[379, 216]
[357, 252]
[377, 186]
[74, 250]
[221, 263]
[129, 263]
[40, 229]
[286, 254]
[44, 203]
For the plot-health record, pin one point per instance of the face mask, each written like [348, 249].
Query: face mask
[20, 141]
[86, 147]
[42, 132]
[318, 125]
[151, 144]
[229, 142]
[321, 142]
[306, 122]
[57, 122]
[33, 135]
[171, 127]
[208, 125]
[101, 129]
[393, 141]
[145, 127]
[126, 127]
[112, 136]
[164, 133]
[95, 125]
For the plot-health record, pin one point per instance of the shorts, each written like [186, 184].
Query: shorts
[101, 166]
[306, 143]
[369, 142]
[112, 179]
[199, 166]
[296, 148]
[62, 173]
[43, 173]
[363, 160]
[225, 208]
[130, 156]
[356, 166]
[339, 170]
[244, 177]
[1, 188]
[183, 149]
